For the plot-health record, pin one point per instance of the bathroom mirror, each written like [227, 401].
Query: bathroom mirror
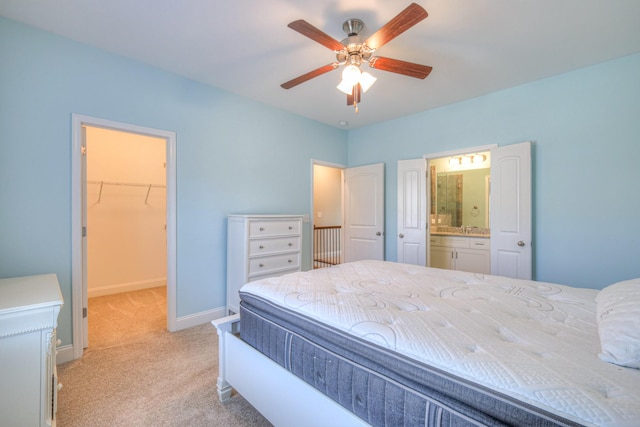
[460, 193]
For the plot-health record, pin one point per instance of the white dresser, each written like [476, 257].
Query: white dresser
[260, 246]
[29, 308]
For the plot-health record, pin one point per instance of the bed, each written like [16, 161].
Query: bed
[387, 344]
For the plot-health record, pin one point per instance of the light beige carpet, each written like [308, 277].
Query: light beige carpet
[135, 373]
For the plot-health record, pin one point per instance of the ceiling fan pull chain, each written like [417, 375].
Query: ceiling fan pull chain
[356, 96]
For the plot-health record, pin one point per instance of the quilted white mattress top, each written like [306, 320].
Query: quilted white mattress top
[534, 341]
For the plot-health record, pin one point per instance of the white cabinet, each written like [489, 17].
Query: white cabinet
[461, 253]
[29, 308]
[260, 246]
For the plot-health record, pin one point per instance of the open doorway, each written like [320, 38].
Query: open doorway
[328, 239]
[351, 201]
[126, 235]
[495, 225]
[87, 190]
[459, 217]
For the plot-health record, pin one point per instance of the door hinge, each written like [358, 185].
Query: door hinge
[84, 231]
[83, 150]
[84, 312]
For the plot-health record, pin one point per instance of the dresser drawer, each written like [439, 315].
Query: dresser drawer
[273, 246]
[264, 265]
[479, 243]
[455, 242]
[273, 228]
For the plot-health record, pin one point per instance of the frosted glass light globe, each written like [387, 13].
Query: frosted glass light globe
[351, 75]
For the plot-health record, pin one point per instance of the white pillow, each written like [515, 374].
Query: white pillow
[618, 310]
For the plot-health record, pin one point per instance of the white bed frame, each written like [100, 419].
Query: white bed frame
[283, 398]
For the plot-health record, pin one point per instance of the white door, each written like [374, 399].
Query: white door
[364, 213]
[412, 211]
[510, 211]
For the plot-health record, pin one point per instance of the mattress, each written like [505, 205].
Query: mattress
[470, 344]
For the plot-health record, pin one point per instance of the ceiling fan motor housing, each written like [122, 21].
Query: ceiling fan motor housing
[352, 27]
[355, 51]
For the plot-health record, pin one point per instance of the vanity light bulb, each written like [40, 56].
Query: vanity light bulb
[466, 160]
[479, 158]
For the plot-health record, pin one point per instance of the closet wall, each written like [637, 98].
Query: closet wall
[126, 231]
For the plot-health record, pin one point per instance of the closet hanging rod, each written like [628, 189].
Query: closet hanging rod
[131, 184]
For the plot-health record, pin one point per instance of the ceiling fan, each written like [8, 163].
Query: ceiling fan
[353, 52]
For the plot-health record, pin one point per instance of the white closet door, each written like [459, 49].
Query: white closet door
[364, 213]
[412, 212]
[510, 216]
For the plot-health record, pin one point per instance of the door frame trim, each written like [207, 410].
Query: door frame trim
[460, 151]
[78, 198]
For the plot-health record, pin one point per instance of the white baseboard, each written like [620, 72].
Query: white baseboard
[64, 354]
[118, 288]
[196, 319]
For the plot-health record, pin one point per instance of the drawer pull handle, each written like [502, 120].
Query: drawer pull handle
[290, 244]
[261, 265]
[290, 228]
[261, 228]
[290, 261]
[261, 247]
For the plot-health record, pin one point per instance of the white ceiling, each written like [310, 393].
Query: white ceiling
[244, 46]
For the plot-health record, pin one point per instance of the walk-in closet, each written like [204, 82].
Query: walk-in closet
[126, 234]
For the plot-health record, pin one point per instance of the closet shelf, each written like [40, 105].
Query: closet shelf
[128, 184]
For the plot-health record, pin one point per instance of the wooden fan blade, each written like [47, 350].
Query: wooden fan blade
[311, 74]
[406, 19]
[401, 67]
[306, 29]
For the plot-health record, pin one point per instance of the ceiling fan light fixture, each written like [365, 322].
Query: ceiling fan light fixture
[345, 87]
[351, 75]
[366, 81]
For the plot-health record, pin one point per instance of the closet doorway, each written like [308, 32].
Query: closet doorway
[126, 235]
[123, 222]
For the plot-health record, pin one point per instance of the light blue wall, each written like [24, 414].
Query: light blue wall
[585, 128]
[238, 156]
[233, 156]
